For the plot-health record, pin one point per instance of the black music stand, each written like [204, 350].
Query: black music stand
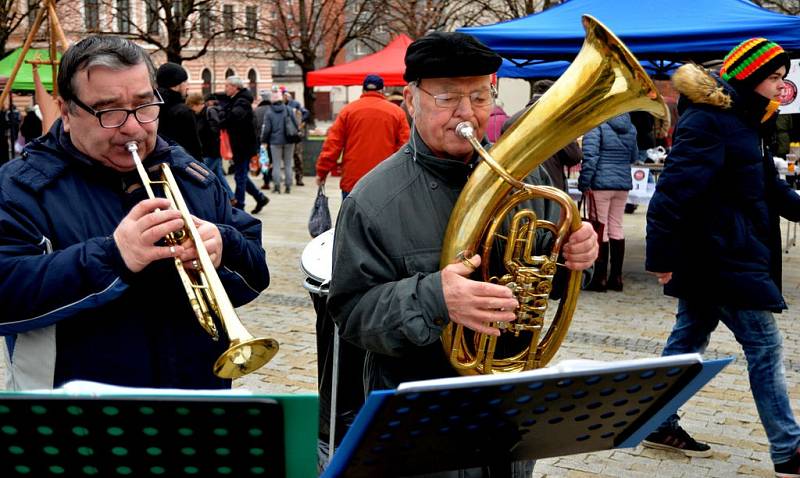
[449, 424]
[152, 435]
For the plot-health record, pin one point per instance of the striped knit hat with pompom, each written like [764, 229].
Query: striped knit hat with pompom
[752, 61]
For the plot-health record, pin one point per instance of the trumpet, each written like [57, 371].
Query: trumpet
[204, 289]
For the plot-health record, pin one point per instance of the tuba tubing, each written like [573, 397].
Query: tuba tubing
[245, 353]
[604, 81]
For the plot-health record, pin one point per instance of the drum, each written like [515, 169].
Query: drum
[339, 364]
[316, 262]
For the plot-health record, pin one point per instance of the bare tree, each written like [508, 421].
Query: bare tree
[182, 29]
[499, 10]
[788, 7]
[11, 18]
[312, 33]
[415, 18]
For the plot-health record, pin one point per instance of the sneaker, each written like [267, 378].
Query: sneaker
[262, 201]
[677, 440]
[789, 469]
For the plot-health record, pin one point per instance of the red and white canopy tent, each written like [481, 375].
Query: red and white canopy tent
[388, 63]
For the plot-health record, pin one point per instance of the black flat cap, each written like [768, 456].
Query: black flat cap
[449, 55]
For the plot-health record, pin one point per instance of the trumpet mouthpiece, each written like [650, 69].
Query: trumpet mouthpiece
[132, 146]
[465, 130]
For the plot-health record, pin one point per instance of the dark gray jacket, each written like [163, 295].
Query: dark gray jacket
[386, 291]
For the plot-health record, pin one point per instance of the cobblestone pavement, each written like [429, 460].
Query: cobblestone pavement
[606, 326]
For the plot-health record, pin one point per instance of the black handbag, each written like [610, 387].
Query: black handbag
[290, 128]
[320, 220]
[589, 214]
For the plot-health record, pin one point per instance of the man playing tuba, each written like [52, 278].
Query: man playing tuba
[388, 294]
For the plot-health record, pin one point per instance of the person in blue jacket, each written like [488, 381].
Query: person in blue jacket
[89, 289]
[713, 235]
[608, 152]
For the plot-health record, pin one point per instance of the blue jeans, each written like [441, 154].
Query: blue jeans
[215, 165]
[758, 334]
[243, 183]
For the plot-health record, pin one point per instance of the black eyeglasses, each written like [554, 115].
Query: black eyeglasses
[116, 117]
[478, 99]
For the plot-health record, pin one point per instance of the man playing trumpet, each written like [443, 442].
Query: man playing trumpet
[89, 288]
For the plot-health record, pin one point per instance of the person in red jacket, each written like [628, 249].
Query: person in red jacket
[366, 132]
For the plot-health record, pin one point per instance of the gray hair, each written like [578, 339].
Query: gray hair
[235, 81]
[111, 52]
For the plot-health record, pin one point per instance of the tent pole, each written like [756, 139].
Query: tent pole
[25, 47]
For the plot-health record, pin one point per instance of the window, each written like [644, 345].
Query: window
[227, 20]
[33, 9]
[205, 21]
[206, 75]
[253, 82]
[151, 16]
[91, 12]
[251, 22]
[123, 15]
[177, 15]
[229, 73]
[361, 49]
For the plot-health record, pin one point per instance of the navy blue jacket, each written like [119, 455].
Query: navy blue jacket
[714, 218]
[608, 152]
[71, 309]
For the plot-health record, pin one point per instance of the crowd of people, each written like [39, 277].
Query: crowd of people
[79, 274]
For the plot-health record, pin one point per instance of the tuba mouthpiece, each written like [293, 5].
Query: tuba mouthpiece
[465, 130]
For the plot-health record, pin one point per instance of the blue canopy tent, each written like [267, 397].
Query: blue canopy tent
[554, 69]
[697, 30]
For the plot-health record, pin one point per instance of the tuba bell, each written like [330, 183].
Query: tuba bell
[204, 289]
[604, 81]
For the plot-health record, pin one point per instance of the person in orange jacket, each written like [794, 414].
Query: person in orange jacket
[366, 132]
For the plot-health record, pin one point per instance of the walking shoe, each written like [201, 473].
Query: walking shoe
[287, 190]
[300, 182]
[677, 440]
[276, 190]
[262, 201]
[789, 469]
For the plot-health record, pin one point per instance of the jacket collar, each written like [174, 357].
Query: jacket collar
[452, 172]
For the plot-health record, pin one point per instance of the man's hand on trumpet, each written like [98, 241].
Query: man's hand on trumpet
[142, 228]
[212, 240]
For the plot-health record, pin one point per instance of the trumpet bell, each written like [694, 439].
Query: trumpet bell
[243, 357]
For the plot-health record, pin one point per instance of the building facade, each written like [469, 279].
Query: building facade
[236, 51]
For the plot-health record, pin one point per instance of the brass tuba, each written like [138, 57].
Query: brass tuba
[206, 293]
[604, 81]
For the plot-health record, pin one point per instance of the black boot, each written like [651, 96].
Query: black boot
[598, 282]
[617, 249]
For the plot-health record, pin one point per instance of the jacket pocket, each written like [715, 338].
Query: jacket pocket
[422, 261]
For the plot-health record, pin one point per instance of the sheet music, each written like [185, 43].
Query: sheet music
[566, 368]
[85, 388]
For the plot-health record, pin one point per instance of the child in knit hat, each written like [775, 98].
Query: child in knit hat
[713, 233]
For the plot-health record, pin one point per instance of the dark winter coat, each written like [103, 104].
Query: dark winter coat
[273, 131]
[208, 126]
[238, 120]
[71, 308]
[386, 290]
[714, 218]
[177, 123]
[608, 152]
